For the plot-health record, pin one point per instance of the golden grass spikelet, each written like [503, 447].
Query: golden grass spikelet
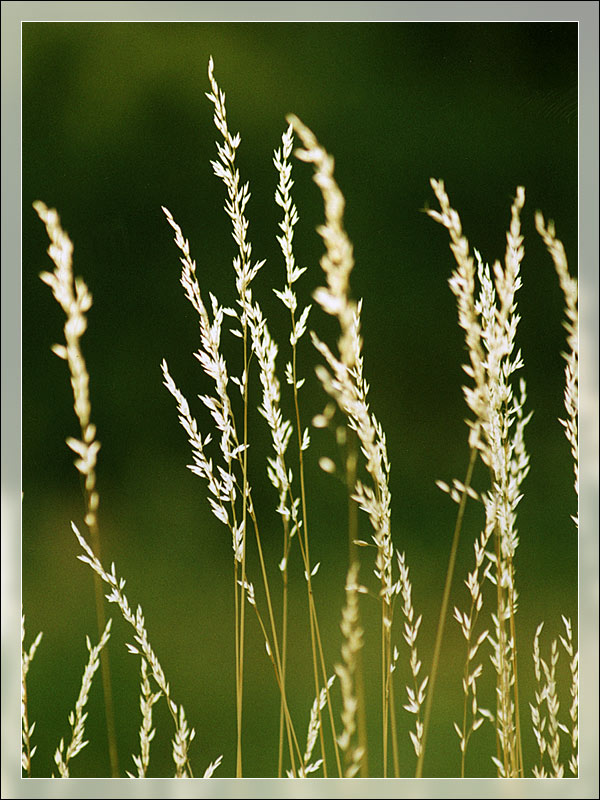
[75, 300]
[338, 260]
[353, 641]
[77, 717]
[73, 296]
[183, 735]
[147, 700]
[569, 286]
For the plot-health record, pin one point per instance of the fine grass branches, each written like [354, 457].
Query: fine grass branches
[568, 284]
[72, 294]
[489, 318]
[490, 322]
[252, 378]
[344, 381]
[75, 299]
[78, 717]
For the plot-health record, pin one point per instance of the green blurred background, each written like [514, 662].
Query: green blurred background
[116, 124]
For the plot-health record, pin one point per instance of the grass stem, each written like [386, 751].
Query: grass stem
[444, 611]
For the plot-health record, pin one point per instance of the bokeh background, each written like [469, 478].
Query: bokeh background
[115, 124]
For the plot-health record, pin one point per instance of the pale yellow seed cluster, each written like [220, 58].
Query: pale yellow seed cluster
[490, 321]
[473, 714]
[568, 284]
[78, 717]
[338, 260]
[147, 700]
[75, 300]
[183, 735]
[344, 380]
[573, 728]
[353, 641]
[547, 726]
[462, 284]
[314, 726]
[412, 623]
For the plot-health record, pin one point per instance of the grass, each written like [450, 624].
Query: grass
[339, 731]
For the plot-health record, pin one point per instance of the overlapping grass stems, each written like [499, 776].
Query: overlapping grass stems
[337, 725]
[490, 324]
[75, 299]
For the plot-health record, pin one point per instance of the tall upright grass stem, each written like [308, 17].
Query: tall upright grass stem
[437, 648]
[75, 299]
[344, 381]
[490, 323]
[283, 198]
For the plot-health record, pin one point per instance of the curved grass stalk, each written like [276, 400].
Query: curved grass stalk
[222, 485]
[75, 299]
[183, 736]
[77, 717]
[353, 557]
[235, 205]
[437, 649]
[298, 328]
[570, 290]
[346, 384]
[274, 657]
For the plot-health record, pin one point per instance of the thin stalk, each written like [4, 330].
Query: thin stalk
[311, 612]
[283, 647]
[324, 673]
[444, 610]
[319, 645]
[503, 689]
[463, 756]
[515, 766]
[318, 689]
[252, 514]
[386, 660]
[244, 519]
[104, 659]
[384, 708]
[238, 698]
[237, 600]
[25, 724]
[386, 675]
[394, 731]
[271, 614]
[292, 738]
[513, 634]
[359, 683]
[74, 298]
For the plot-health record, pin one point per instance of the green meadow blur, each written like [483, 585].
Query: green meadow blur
[116, 124]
